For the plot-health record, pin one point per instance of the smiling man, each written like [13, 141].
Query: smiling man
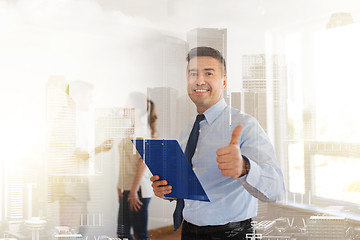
[206, 81]
[230, 154]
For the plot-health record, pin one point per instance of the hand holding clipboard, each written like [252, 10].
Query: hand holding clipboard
[166, 159]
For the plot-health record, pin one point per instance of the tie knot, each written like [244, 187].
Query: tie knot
[200, 117]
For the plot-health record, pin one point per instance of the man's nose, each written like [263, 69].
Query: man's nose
[200, 79]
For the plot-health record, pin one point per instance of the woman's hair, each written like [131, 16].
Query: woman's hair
[152, 117]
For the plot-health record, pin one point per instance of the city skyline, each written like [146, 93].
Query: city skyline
[309, 109]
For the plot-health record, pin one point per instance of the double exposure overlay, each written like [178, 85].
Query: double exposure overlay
[81, 80]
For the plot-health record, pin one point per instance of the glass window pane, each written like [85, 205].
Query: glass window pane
[337, 178]
[296, 167]
[337, 85]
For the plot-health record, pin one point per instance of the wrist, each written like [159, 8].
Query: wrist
[133, 192]
[245, 166]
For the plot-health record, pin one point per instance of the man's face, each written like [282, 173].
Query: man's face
[206, 82]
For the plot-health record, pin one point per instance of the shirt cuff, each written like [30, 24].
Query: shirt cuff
[252, 177]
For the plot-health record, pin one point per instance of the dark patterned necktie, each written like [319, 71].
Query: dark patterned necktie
[189, 153]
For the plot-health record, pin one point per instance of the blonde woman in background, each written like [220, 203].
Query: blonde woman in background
[134, 187]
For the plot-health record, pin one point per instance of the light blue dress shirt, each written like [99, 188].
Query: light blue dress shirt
[231, 200]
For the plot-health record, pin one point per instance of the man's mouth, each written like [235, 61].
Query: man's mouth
[201, 90]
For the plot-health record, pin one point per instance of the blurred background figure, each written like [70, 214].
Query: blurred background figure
[71, 155]
[134, 186]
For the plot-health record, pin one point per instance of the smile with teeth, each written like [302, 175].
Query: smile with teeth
[201, 90]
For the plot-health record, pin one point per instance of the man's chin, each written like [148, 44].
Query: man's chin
[198, 100]
[201, 104]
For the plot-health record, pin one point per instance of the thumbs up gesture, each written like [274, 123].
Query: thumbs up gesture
[231, 163]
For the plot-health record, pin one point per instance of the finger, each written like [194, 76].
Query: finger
[135, 208]
[226, 166]
[137, 205]
[160, 191]
[154, 178]
[162, 195]
[134, 203]
[223, 151]
[227, 150]
[229, 173]
[228, 158]
[161, 183]
[236, 134]
[222, 159]
[163, 190]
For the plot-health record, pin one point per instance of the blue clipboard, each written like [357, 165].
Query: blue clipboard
[166, 159]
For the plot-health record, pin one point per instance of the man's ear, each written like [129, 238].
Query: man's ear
[224, 82]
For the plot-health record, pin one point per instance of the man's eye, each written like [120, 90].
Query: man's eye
[209, 73]
[193, 74]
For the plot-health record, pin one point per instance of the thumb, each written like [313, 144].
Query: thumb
[235, 135]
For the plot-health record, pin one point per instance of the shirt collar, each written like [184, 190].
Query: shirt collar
[214, 111]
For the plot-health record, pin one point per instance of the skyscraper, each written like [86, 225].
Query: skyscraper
[61, 121]
[56, 89]
[254, 87]
[165, 99]
[326, 228]
[208, 37]
[264, 95]
[15, 194]
[114, 124]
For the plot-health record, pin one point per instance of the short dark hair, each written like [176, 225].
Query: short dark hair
[206, 52]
